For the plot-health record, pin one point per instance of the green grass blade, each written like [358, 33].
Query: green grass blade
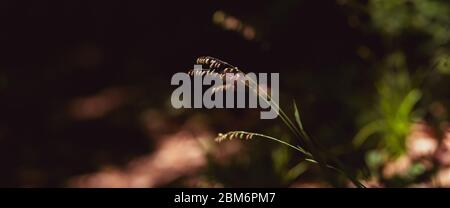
[297, 116]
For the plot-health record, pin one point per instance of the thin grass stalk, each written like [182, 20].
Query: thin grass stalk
[299, 132]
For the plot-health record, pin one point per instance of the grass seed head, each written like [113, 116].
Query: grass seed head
[234, 135]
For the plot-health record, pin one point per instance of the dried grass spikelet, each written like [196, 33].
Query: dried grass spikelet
[215, 67]
[216, 64]
[203, 72]
[234, 135]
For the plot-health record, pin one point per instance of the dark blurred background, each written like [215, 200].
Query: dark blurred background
[85, 90]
